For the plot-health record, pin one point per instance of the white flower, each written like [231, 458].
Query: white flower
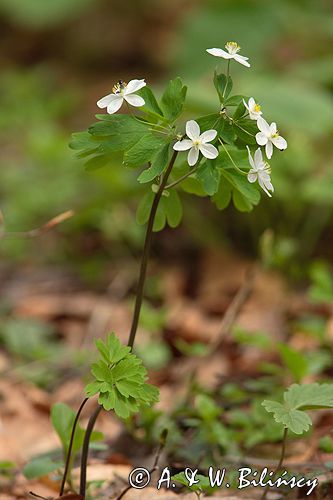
[232, 53]
[260, 171]
[120, 92]
[253, 109]
[197, 143]
[268, 136]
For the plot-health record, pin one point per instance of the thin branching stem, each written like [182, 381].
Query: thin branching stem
[230, 157]
[146, 250]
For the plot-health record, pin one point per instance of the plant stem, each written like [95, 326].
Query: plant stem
[232, 161]
[146, 249]
[69, 452]
[279, 465]
[228, 73]
[136, 315]
[182, 178]
[85, 450]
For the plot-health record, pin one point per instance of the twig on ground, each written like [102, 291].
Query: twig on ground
[235, 307]
[33, 233]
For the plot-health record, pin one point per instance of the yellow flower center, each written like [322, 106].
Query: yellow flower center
[118, 87]
[196, 143]
[232, 47]
[257, 108]
[275, 135]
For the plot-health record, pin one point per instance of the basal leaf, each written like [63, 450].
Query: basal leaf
[40, 467]
[309, 396]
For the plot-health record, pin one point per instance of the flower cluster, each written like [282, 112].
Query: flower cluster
[197, 142]
[267, 136]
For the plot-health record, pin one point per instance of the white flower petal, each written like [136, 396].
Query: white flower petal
[252, 103]
[252, 176]
[208, 136]
[250, 157]
[258, 160]
[269, 150]
[134, 100]
[263, 126]
[115, 104]
[246, 105]
[193, 156]
[192, 130]
[273, 128]
[183, 145]
[219, 53]
[266, 186]
[105, 101]
[279, 142]
[209, 151]
[134, 86]
[261, 139]
[242, 60]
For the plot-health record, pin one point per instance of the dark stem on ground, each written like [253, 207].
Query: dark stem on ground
[136, 314]
[69, 452]
[85, 450]
[279, 465]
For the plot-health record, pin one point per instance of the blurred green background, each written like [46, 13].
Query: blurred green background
[58, 58]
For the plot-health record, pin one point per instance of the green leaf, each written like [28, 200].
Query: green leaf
[234, 100]
[297, 399]
[62, 418]
[144, 150]
[209, 176]
[228, 132]
[246, 130]
[158, 165]
[151, 105]
[160, 218]
[214, 121]
[143, 210]
[207, 408]
[223, 86]
[120, 379]
[240, 111]
[173, 99]
[112, 350]
[222, 197]
[81, 140]
[245, 194]
[295, 420]
[295, 361]
[40, 467]
[173, 208]
[310, 396]
[203, 483]
[97, 162]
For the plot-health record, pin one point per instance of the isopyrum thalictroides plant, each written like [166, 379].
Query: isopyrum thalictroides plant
[219, 155]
